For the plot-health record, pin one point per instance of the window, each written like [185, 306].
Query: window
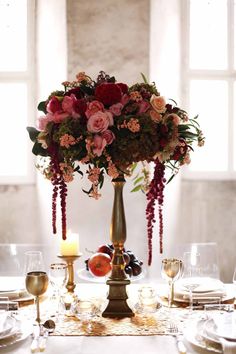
[209, 83]
[16, 89]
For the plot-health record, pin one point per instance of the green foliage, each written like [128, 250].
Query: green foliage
[33, 133]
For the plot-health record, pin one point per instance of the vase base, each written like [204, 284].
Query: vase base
[117, 306]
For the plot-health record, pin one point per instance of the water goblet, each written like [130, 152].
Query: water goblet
[36, 284]
[171, 270]
[58, 278]
[192, 272]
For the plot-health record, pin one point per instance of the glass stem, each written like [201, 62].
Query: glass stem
[190, 301]
[171, 293]
[37, 308]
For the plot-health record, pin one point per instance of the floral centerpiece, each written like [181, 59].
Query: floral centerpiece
[110, 127]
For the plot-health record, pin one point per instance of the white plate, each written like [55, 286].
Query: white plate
[193, 335]
[86, 275]
[11, 284]
[223, 326]
[205, 284]
[22, 330]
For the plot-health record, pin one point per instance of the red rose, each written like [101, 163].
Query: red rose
[124, 88]
[75, 91]
[108, 93]
[80, 106]
[54, 105]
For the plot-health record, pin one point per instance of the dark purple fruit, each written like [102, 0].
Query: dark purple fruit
[131, 256]
[136, 267]
[126, 258]
[129, 271]
[86, 264]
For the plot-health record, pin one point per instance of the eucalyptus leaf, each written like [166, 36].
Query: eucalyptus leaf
[138, 180]
[137, 188]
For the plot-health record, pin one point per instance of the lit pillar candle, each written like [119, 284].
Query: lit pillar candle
[70, 246]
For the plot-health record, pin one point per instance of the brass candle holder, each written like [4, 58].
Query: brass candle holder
[70, 286]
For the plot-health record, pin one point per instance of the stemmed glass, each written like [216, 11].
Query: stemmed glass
[36, 284]
[58, 278]
[36, 280]
[192, 272]
[171, 270]
[234, 277]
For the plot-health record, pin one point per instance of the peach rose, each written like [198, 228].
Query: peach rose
[158, 103]
[156, 117]
[94, 107]
[98, 122]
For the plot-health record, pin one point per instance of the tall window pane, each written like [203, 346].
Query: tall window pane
[208, 34]
[13, 35]
[209, 99]
[13, 121]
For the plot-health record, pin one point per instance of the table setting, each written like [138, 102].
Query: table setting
[114, 130]
[54, 310]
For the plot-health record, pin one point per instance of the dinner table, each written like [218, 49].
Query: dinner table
[162, 329]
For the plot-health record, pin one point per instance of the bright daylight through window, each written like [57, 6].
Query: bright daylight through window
[209, 74]
[16, 89]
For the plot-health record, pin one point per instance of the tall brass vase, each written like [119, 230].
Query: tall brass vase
[117, 306]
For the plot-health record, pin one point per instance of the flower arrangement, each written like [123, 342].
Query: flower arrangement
[110, 127]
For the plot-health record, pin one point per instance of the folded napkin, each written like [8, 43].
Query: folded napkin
[206, 295]
[3, 317]
[228, 346]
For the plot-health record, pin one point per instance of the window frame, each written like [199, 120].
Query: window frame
[28, 77]
[229, 75]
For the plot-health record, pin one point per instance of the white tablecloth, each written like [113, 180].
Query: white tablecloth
[158, 344]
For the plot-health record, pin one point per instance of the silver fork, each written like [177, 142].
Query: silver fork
[175, 332]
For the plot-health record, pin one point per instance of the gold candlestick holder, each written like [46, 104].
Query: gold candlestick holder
[70, 286]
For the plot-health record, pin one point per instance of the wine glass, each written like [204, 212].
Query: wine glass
[58, 277]
[36, 284]
[171, 270]
[33, 262]
[192, 272]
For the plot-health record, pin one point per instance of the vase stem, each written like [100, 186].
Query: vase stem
[117, 306]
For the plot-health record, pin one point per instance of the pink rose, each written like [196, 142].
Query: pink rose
[116, 109]
[158, 103]
[108, 136]
[175, 118]
[54, 105]
[143, 106]
[125, 99]
[67, 104]
[42, 122]
[99, 144]
[58, 117]
[99, 122]
[94, 107]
